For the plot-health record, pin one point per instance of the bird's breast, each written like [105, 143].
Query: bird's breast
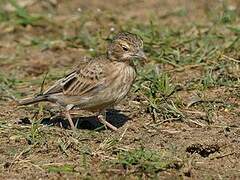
[121, 81]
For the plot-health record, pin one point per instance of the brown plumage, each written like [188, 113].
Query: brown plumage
[102, 82]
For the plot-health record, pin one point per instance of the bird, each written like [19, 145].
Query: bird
[100, 83]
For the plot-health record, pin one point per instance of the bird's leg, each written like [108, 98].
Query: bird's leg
[67, 114]
[102, 118]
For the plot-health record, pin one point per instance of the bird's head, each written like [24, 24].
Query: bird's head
[125, 47]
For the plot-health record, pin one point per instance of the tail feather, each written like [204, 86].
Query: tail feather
[32, 100]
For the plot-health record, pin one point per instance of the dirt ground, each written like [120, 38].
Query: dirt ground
[181, 119]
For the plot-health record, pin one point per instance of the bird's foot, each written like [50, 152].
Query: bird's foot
[101, 118]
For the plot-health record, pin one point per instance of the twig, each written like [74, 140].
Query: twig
[197, 123]
[231, 59]
[124, 132]
[222, 156]
[169, 131]
[194, 112]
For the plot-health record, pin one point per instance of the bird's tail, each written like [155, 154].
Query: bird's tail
[32, 100]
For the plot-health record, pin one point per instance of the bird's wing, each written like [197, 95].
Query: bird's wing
[89, 78]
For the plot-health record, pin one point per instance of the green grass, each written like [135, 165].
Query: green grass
[144, 161]
[157, 89]
[65, 168]
[20, 15]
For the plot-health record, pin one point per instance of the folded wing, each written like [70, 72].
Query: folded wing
[88, 79]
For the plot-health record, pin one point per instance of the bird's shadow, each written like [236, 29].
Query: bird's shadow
[115, 117]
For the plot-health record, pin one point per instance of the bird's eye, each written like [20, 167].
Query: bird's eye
[125, 48]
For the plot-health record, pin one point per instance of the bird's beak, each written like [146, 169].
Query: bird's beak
[141, 55]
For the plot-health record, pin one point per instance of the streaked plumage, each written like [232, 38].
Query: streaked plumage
[102, 82]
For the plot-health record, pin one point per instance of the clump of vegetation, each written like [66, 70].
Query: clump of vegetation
[147, 161]
[157, 90]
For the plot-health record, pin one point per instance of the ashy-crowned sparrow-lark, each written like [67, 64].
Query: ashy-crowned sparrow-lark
[102, 82]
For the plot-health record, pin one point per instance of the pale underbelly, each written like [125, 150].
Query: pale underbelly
[103, 99]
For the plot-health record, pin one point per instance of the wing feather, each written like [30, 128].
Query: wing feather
[80, 81]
